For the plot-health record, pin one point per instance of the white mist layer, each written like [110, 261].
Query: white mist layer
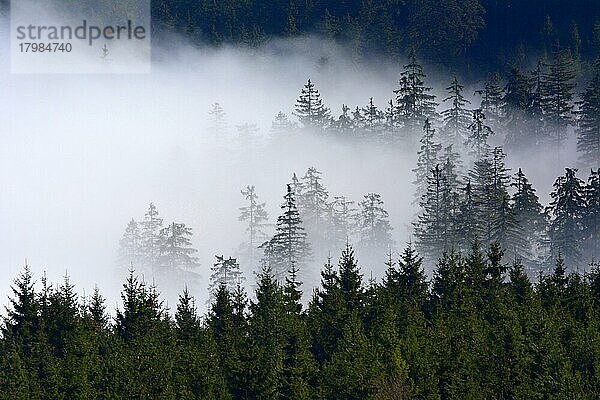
[80, 155]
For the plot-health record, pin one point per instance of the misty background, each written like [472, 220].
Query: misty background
[80, 155]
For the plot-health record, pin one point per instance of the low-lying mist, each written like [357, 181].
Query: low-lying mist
[80, 155]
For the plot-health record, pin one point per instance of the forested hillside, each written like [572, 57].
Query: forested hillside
[486, 33]
[490, 291]
[478, 329]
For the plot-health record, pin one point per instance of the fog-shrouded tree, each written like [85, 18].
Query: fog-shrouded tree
[218, 119]
[414, 101]
[492, 100]
[297, 187]
[282, 125]
[255, 216]
[289, 245]
[451, 164]
[504, 228]
[507, 231]
[434, 228]
[225, 272]
[343, 218]
[557, 92]
[567, 210]
[530, 215]
[489, 179]
[456, 117]
[427, 159]
[517, 102]
[374, 228]
[373, 117]
[310, 109]
[176, 250]
[390, 122]
[313, 205]
[467, 218]
[479, 132]
[151, 237]
[130, 247]
[537, 122]
[344, 124]
[588, 131]
[358, 119]
[592, 216]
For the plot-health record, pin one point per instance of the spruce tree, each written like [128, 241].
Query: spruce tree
[358, 119]
[344, 123]
[491, 100]
[151, 237]
[490, 180]
[289, 245]
[354, 352]
[373, 117]
[255, 216]
[225, 272]
[479, 132]
[96, 309]
[451, 165]
[228, 332]
[22, 321]
[592, 216]
[186, 317]
[350, 280]
[530, 214]
[467, 218]
[267, 333]
[299, 367]
[310, 109]
[343, 218]
[414, 102]
[588, 131]
[536, 112]
[297, 188]
[176, 251]
[130, 246]
[63, 307]
[141, 309]
[390, 123]
[314, 206]
[507, 231]
[427, 159]
[567, 210]
[516, 103]
[434, 229]
[456, 117]
[484, 198]
[374, 228]
[407, 282]
[557, 91]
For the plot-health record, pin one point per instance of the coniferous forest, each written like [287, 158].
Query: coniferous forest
[493, 294]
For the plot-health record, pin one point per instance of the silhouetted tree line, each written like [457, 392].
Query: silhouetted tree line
[518, 110]
[152, 246]
[483, 32]
[478, 329]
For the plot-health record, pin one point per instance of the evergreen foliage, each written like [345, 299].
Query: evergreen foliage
[480, 328]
